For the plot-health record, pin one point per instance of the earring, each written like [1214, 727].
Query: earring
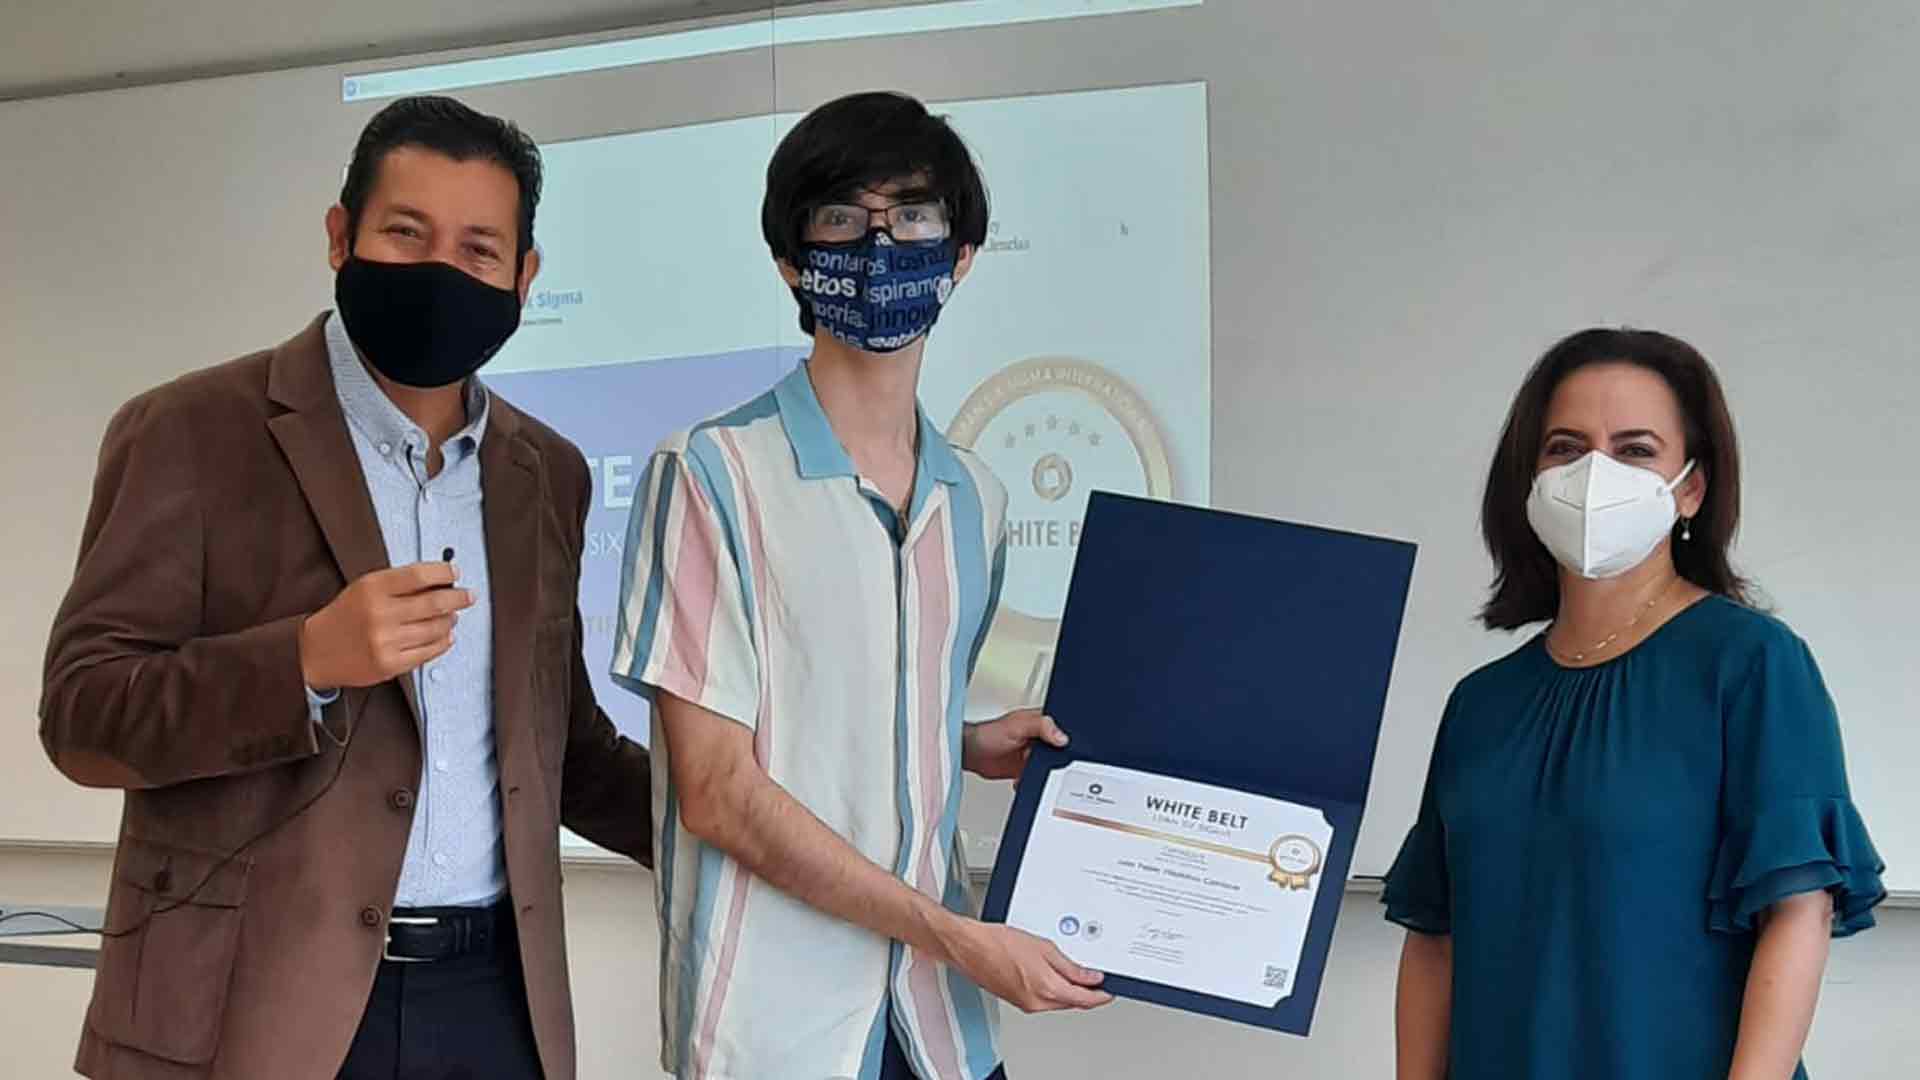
[1686, 528]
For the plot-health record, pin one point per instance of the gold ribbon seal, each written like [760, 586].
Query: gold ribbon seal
[1295, 860]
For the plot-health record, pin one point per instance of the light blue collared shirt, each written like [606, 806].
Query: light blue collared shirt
[455, 854]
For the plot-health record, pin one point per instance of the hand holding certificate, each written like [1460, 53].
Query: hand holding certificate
[1173, 882]
[1223, 679]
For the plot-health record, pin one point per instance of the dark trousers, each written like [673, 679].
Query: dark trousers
[894, 1066]
[458, 1019]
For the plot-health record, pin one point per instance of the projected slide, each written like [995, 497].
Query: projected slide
[1076, 356]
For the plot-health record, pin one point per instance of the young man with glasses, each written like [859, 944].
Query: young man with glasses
[808, 582]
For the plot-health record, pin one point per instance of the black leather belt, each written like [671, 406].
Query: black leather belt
[424, 935]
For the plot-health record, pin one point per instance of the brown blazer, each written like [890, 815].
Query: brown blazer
[228, 506]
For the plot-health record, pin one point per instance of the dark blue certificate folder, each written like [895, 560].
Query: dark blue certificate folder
[1226, 650]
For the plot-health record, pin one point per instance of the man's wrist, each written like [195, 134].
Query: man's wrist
[305, 650]
[948, 934]
[315, 684]
[969, 736]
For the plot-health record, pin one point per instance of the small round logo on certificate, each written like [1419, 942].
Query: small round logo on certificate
[1295, 860]
[1069, 926]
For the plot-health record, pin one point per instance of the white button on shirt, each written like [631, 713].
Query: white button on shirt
[455, 852]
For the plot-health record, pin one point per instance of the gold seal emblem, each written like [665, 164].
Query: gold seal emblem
[1052, 477]
[1295, 861]
[1069, 427]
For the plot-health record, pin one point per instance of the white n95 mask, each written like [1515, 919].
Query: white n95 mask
[1601, 518]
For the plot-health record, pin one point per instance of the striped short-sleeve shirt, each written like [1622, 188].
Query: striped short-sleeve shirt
[766, 581]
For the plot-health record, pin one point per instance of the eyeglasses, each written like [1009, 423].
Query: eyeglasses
[844, 223]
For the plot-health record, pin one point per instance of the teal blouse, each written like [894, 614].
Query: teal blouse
[1600, 842]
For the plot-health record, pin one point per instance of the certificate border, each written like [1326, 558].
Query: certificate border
[1294, 1013]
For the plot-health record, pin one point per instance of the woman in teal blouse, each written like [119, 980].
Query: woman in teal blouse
[1636, 837]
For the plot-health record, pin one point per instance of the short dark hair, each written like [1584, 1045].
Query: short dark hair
[859, 141]
[448, 127]
[1526, 586]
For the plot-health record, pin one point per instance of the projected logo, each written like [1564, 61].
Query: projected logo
[1054, 429]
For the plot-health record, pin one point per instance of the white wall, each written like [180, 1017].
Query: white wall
[1407, 206]
[1409, 203]
[1864, 1030]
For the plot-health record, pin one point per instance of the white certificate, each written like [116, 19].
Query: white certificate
[1178, 883]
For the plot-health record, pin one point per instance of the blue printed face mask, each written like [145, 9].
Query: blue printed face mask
[877, 295]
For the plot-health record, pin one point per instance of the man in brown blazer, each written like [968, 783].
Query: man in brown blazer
[323, 633]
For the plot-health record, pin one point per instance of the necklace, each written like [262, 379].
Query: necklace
[1606, 642]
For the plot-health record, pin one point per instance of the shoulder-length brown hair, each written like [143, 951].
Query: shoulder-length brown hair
[1526, 584]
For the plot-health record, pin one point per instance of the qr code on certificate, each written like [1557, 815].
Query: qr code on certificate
[1276, 978]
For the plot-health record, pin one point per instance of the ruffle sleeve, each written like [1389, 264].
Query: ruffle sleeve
[1798, 846]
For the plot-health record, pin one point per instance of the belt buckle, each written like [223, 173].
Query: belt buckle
[386, 950]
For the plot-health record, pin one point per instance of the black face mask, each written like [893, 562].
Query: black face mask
[424, 324]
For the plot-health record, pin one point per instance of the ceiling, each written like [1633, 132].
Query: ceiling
[70, 46]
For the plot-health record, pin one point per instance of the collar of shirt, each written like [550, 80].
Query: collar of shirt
[817, 451]
[370, 409]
